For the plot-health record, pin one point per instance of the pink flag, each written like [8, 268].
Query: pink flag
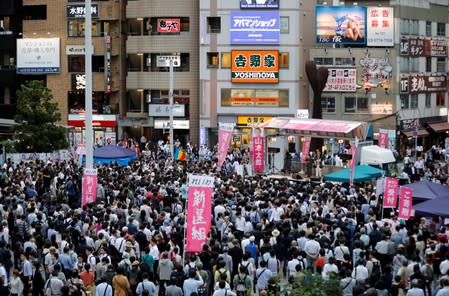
[405, 204]
[224, 139]
[199, 211]
[305, 149]
[391, 193]
[89, 193]
[258, 154]
[383, 139]
[353, 161]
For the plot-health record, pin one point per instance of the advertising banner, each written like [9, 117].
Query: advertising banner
[224, 139]
[341, 25]
[391, 192]
[353, 162]
[172, 25]
[419, 47]
[79, 11]
[255, 66]
[422, 84]
[258, 154]
[381, 109]
[383, 138]
[259, 4]
[255, 27]
[199, 211]
[89, 194]
[38, 55]
[305, 149]
[341, 80]
[405, 204]
[380, 26]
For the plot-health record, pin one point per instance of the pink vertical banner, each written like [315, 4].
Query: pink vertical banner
[391, 192]
[383, 138]
[405, 203]
[258, 154]
[89, 193]
[305, 149]
[353, 161]
[199, 211]
[224, 139]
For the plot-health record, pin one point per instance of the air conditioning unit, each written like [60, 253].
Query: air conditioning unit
[148, 98]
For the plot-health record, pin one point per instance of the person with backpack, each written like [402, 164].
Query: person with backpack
[145, 284]
[221, 269]
[243, 284]
[103, 288]
[428, 274]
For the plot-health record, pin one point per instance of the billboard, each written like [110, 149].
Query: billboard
[172, 25]
[255, 27]
[255, 66]
[423, 83]
[341, 80]
[418, 47]
[380, 26]
[341, 25]
[259, 4]
[38, 55]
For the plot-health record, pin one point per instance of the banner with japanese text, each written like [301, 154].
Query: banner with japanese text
[199, 211]
[383, 138]
[305, 149]
[258, 153]
[391, 192]
[224, 139]
[353, 162]
[89, 193]
[405, 203]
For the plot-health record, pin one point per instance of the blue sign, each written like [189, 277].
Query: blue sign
[259, 4]
[255, 27]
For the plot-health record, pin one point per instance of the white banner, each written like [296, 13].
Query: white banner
[38, 55]
[380, 26]
[341, 80]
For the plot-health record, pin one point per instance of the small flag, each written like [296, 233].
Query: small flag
[180, 154]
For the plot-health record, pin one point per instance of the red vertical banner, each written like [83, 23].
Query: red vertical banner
[89, 193]
[305, 149]
[199, 211]
[224, 139]
[383, 139]
[258, 154]
[405, 203]
[353, 161]
[391, 192]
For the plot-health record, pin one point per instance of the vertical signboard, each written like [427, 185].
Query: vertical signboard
[391, 193]
[224, 139]
[107, 64]
[380, 26]
[89, 193]
[258, 153]
[405, 204]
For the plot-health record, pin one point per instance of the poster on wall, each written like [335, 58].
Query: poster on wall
[259, 4]
[255, 27]
[341, 80]
[341, 25]
[380, 26]
[38, 56]
[255, 66]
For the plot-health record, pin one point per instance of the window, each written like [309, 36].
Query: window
[356, 105]
[226, 60]
[414, 65]
[428, 29]
[213, 24]
[345, 61]
[328, 105]
[441, 65]
[283, 60]
[441, 100]
[441, 29]
[414, 101]
[324, 61]
[77, 64]
[76, 28]
[414, 27]
[35, 12]
[428, 64]
[254, 97]
[403, 64]
[212, 60]
[404, 102]
[428, 100]
[405, 27]
[161, 96]
[285, 24]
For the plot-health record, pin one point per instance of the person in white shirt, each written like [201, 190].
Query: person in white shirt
[276, 213]
[222, 290]
[103, 289]
[263, 274]
[360, 272]
[328, 269]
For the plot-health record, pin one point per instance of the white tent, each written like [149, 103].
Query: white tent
[376, 155]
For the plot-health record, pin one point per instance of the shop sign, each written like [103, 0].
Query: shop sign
[172, 25]
[410, 124]
[421, 84]
[103, 120]
[107, 64]
[302, 113]
[438, 48]
[163, 110]
[418, 47]
[252, 120]
[164, 61]
[341, 80]
[79, 11]
[165, 124]
[255, 66]
[381, 109]
[380, 26]
[76, 49]
[78, 82]
[255, 27]
[259, 4]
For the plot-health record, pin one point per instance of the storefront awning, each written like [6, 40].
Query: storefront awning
[79, 120]
[439, 127]
[419, 133]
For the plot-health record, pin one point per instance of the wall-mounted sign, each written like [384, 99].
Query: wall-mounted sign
[421, 84]
[107, 64]
[165, 124]
[438, 48]
[97, 120]
[76, 49]
[79, 11]
[255, 27]
[38, 55]
[259, 4]
[375, 71]
[251, 120]
[341, 24]
[417, 47]
[380, 26]
[78, 82]
[172, 25]
[341, 80]
[381, 109]
[164, 61]
[163, 110]
[255, 66]
[302, 113]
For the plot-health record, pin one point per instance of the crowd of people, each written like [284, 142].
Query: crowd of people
[266, 233]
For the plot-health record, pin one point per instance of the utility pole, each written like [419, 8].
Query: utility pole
[88, 93]
[170, 99]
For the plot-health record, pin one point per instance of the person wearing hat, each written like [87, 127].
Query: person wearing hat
[134, 275]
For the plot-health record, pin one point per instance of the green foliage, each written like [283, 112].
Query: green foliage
[312, 284]
[9, 146]
[36, 118]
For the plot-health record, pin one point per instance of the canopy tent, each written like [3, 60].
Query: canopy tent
[376, 155]
[361, 173]
[425, 190]
[320, 128]
[433, 207]
[112, 153]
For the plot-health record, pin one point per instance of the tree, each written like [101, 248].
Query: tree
[35, 128]
[311, 284]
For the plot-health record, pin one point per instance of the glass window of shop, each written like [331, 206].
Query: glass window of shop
[237, 97]
[76, 28]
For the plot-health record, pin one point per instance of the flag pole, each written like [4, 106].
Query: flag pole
[185, 224]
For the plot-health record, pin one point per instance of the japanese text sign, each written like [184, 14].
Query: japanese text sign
[252, 120]
[224, 139]
[383, 138]
[419, 47]
[38, 55]
[255, 66]
[199, 211]
[79, 11]
[89, 193]
[390, 192]
[258, 154]
[169, 25]
[341, 80]
[259, 4]
[405, 204]
[421, 84]
[255, 27]
[380, 26]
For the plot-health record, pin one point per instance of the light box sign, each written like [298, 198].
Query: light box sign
[259, 4]
[255, 27]
[380, 26]
[79, 11]
[172, 25]
[381, 109]
[177, 124]
[255, 66]
[341, 80]
[38, 55]
[163, 110]
[341, 25]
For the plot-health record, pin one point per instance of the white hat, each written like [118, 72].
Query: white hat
[275, 232]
